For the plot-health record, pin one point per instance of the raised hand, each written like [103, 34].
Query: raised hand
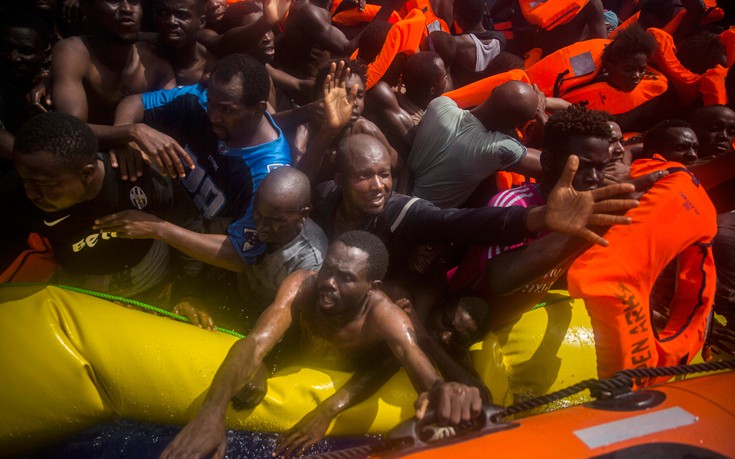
[570, 212]
[338, 100]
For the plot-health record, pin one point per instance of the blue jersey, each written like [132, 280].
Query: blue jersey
[225, 179]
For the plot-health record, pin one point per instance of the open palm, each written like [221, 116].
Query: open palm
[570, 211]
[338, 100]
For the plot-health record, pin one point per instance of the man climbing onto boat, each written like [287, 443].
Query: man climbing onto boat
[345, 321]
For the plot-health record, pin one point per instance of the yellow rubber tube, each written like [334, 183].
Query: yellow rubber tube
[71, 361]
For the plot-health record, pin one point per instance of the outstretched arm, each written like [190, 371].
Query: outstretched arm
[338, 103]
[312, 427]
[454, 403]
[570, 212]
[205, 434]
[213, 249]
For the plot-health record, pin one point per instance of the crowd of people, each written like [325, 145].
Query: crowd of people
[375, 185]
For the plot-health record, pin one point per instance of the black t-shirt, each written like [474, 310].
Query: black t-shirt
[406, 222]
[79, 249]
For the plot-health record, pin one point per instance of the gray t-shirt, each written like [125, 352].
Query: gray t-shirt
[259, 283]
[453, 152]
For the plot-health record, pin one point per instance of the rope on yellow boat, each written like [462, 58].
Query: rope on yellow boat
[107, 296]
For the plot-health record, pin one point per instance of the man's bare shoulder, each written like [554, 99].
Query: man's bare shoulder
[308, 16]
[74, 48]
[150, 52]
[364, 126]
[383, 95]
[384, 315]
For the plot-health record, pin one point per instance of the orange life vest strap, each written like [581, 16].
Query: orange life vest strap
[475, 93]
[602, 96]
[675, 221]
[35, 264]
[570, 66]
[548, 14]
[507, 29]
[404, 37]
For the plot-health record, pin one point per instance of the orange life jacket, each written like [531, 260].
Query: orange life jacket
[675, 221]
[570, 66]
[475, 93]
[685, 82]
[548, 14]
[433, 22]
[671, 27]
[353, 17]
[35, 264]
[505, 180]
[404, 37]
[728, 40]
[602, 96]
[712, 13]
[712, 86]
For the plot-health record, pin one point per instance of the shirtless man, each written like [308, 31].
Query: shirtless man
[309, 39]
[177, 23]
[344, 318]
[398, 114]
[24, 41]
[320, 167]
[91, 74]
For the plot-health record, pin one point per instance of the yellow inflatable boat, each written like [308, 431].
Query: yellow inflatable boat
[71, 361]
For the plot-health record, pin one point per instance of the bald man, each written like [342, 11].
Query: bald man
[455, 150]
[361, 197]
[281, 211]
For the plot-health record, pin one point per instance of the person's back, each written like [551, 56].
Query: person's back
[476, 46]
[454, 150]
